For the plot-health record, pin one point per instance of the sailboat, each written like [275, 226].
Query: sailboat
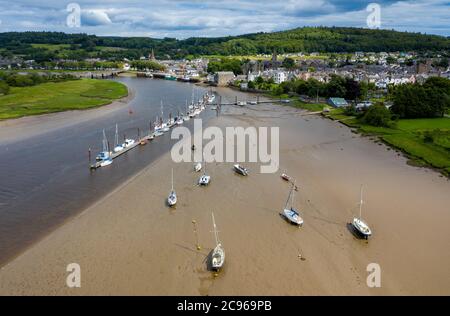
[117, 146]
[172, 199]
[204, 179]
[187, 117]
[218, 254]
[358, 223]
[105, 154]
[241, 170]
[291, 214]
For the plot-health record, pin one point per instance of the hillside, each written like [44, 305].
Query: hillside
[308, 39]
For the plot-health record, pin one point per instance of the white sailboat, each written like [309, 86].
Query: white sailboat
[241, 170]
[105, 154]
[172, 199]
[204, 179]
[291, 214]
[218, 254]
[358, 223]
[117, 146]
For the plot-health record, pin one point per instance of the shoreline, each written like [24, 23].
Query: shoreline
[129, 242]
[16, 129]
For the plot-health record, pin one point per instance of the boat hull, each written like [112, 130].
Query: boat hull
[240, 170]
[218, 258]
[204, 180]
[362, 228]
[293, 217]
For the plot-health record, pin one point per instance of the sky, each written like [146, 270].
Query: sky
[212, 18]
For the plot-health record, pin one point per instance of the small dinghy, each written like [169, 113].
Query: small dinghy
[198, 167]
[241, 170]
[360, 225]
[218, 254]
[289, 212]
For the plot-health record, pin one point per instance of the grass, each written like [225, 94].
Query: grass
[408, 135]
[61, 96]
[313, 107]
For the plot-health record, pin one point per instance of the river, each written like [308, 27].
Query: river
[45, 179]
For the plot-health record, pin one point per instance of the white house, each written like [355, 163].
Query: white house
[279, 77]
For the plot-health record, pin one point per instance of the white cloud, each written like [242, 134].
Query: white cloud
[186, 18]
[95, 18]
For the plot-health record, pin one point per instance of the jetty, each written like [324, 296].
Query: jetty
[114, 155]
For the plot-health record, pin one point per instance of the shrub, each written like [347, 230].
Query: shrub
[377, 115]
[4, 88]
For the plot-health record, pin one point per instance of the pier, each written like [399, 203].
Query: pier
[114, 155]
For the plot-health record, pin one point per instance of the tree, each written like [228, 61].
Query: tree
[421, 101]
[259, 80]
[4, 88]
[336, 87]
[377, 115]
[289, 63]
[352, 89]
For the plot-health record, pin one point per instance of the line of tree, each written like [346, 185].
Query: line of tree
[307, 39]
[431, 99]
[226, 64]
[12, 79]
[337, 86]
[147, 64]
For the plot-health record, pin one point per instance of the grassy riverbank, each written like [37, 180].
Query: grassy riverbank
[60, 96]
[425, 141]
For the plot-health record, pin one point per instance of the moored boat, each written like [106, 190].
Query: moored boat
[359, 224]
[218, 253]
[241, 170]
[289, 212]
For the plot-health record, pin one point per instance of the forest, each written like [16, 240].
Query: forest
[48, 46]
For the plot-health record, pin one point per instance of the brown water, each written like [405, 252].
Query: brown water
[45, 179]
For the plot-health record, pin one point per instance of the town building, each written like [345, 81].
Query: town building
[223, 78]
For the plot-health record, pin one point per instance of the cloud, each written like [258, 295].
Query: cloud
[95, 18]
[187, 18]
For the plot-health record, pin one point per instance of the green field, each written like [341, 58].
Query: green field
[425, 141]
[313, 107]
[59, 96]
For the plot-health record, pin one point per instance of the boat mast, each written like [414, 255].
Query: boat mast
[172, 179]
[293, 193]
[216, 233]
[289, 198]
[116, 140]
[361, 203]
[105, 142]
[162, 110]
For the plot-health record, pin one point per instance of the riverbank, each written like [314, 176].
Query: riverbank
[55, 97]
[131, 243]
[12, 130]
[425, 142]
